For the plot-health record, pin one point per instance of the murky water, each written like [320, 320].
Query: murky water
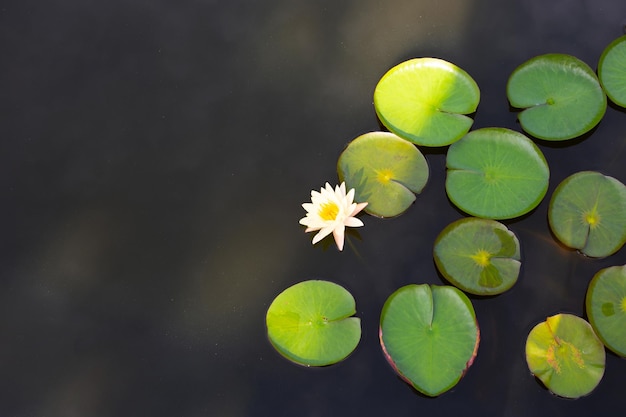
[155, 156]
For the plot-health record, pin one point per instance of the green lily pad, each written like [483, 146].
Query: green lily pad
[429, 335]
[385, 170]
[496, 173]
[566, 355]
[478, 256]
[588, 212]
[426, 100]
[310, 323]
[612, 71]
[606, 307]
[561, 95]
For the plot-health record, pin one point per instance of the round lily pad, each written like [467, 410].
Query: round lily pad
[561, 95]
[426, 100]
[612, 71]
[311, 323]
[588, 212]
[385, 170]
[429, 335]
[496, 173]
[606, 307]
[566, 355]
[478, 256]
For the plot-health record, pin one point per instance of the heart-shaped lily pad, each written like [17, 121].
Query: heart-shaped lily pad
[429, 335]
[426, 100]
[612, 71]
[588, 212]
[566, 355]
[561, 95]
[385, 170]
[496, 173]
[310, 323]
[606, 307]
[478, 256]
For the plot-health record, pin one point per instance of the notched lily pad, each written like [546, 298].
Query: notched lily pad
[606, 307]
[612, 71]
[311, 323]
[566, 355]
[588, 212]
[561, 95]
[385, 170]
[426, 100]
[496, 173]
[429, 335]
[478, 256]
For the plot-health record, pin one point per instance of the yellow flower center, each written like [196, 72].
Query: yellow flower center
[384, 175]
[329, 211]
[482, 257]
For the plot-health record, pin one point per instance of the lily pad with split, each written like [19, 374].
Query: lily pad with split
[429, 335]
[311, 323]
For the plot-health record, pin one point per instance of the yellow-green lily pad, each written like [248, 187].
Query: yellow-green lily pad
[606, 307]
[612, 71]
[426, 101]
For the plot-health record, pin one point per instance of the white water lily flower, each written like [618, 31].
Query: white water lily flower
[330, 211]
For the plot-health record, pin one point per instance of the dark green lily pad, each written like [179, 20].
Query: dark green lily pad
[566, 355]
[561, 95]
[429, 335]
[496, 173]
[385, 170]
[478, 256]
[606, 307]
[426, 100]
[588, 212]
[612, 71]
[310, 323]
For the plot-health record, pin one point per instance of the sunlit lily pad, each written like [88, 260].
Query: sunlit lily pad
[566, 355]
[385, 170]
[429, 335]
[588, 212]
[496, 173]
[426, 100]
[561, 95]
[311, 323]
[478, 256]
[606, 307]
[612, 71]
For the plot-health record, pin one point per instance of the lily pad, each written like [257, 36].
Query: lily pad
[496, 173]
[478, 256]
[429, 335]
[426, 100]
[606, 307]
[561, 95]
[588, 212]
[612, 71]
[566, 355]
[385, 170]
[311, 323]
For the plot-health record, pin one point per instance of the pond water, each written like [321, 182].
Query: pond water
[155, 156]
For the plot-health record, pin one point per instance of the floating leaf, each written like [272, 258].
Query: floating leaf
[566, 355]
[496, 173]
[612, 71]
[429, 335]
[606, 307]
[478, 256]
[561, 95]
[385, 171]
[588, 212]
[425, 100]
[310, 323]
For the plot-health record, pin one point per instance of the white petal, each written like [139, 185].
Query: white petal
[353, 222]
[322, 234]
[350, 196]
[338, 234]
[359, 207]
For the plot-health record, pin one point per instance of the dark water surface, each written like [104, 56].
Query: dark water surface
[154, 158]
